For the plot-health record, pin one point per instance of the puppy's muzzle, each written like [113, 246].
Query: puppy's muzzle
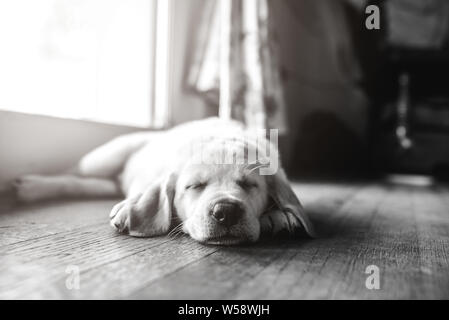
[227, 212]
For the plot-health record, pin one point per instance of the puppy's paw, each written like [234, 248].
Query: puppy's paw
[120, 216]
[277, 221]
[31, 188]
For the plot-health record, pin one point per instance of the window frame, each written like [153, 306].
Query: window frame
[162, 65]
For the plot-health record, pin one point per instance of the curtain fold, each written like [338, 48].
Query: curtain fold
[256, 87]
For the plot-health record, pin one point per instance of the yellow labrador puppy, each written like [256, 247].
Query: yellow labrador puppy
[212, 179]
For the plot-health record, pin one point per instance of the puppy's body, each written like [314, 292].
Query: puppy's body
[162, 151]
[161, 178]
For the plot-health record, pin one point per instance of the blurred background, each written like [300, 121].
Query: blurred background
[348, 100]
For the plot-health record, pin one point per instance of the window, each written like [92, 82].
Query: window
[86, 59]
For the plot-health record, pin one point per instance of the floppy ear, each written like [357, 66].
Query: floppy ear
[289, 213]
[148, 213]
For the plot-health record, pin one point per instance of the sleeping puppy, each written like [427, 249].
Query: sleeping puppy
[212, 179]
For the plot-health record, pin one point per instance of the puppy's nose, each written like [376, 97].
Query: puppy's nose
[227, 213]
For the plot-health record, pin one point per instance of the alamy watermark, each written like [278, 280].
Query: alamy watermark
[257, 149]
[372, 282]
[72, 282]
[372, 21]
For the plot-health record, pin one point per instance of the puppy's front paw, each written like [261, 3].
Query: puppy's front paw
[120, 216]
[278, 221]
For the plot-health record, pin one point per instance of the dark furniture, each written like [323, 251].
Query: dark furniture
[411, 117]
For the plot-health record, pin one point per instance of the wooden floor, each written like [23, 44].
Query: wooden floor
[404, 231]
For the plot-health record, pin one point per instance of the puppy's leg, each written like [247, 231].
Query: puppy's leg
[108, 160]
[92, 177]
[148, 213]
[278, 221]
[33, 188]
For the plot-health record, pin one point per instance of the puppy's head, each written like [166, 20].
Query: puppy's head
[221, 203]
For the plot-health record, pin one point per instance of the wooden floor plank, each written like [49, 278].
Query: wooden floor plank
[86, 248]
[28, 222]
[116, 277]
[431, 211]
[96, 250]
[319, 266]
[226, 273]
[388, 242]
[402, 230]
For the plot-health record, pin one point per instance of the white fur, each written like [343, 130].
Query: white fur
[152, 169]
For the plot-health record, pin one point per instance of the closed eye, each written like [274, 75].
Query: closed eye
[246, 184]
[196, 186]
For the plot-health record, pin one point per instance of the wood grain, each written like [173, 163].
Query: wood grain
[403, 230]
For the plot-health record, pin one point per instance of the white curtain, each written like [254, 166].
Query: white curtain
[256, 91]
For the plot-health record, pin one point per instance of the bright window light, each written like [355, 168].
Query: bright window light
[82, 59]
